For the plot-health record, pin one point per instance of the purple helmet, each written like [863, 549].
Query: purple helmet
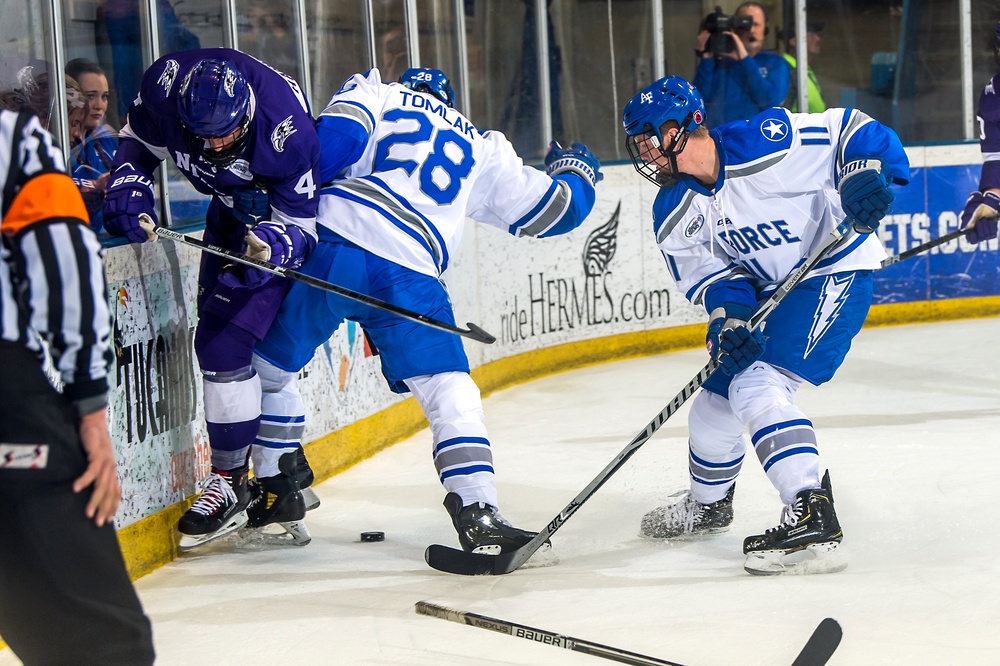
[214, 101]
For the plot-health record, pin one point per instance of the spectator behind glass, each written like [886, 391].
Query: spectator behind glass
[745, 81]
[120, 20]
[394, 54]
[31, 95]
[814, 95]
[92, 151]
[30, 92]
[267, 36]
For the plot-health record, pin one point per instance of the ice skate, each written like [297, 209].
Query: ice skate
[278, 500]
[481, 529]
[219, 511]
[689, 517]
[304, 475]
[806, 542]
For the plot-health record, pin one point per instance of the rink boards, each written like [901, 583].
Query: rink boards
[599, 293]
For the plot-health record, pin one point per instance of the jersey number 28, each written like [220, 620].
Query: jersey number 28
[436, 162]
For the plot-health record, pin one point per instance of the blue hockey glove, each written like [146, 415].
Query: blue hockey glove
[731, 342]
[273, 242]
[865, 193]
[576, 159]
[979, 218]
[251, 205]
[129, 195]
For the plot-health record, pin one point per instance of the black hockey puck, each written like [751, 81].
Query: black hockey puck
[373, 536]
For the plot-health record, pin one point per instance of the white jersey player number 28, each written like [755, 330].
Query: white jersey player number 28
[436, 162]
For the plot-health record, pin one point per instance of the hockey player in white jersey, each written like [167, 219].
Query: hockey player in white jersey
[739, 209]
[411, 169]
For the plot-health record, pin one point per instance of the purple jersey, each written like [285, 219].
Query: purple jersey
[282, 152]
[989, 134]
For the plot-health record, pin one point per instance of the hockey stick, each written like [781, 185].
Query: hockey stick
[452, 560]
[540, 635]
[923, 247]
[473, 332]
[817, 651]
[821, 645]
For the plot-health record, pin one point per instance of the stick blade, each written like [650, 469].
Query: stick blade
[454, 561]
[480, 335]
[821, 645]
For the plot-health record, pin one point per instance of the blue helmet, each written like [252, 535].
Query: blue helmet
[669, 99]
[433, 81]
[213, 102]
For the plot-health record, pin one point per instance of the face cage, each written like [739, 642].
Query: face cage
[648, 168]
[221, 159]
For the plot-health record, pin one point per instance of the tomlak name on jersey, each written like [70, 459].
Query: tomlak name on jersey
[413, 143]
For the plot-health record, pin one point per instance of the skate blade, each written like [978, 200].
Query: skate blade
[311, 499]
[295, 534]
[684, 536]
[192, 541]
[817, 558]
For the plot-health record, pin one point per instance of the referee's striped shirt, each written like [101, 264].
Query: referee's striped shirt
[52, 283]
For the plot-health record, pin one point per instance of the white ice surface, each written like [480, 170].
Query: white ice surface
[910, 429]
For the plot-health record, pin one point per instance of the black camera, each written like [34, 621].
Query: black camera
[718, 23]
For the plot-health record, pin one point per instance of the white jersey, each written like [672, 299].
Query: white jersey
[775, 201]
[424, 169]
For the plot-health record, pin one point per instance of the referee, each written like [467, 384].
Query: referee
[65, 596]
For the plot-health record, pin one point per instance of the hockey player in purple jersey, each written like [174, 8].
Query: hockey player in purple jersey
[413, 169]
[979, 217]
[738, 210]
[241, 132]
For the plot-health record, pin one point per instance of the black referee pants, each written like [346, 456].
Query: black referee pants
[65, 595]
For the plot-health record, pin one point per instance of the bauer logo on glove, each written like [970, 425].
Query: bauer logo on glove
[129, 196]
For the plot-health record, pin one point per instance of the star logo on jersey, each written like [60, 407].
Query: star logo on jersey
[774, 130]
[281, 133]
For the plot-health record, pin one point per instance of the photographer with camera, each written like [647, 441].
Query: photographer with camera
[736, 77]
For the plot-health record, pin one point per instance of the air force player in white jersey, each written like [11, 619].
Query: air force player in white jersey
[410, 169]
[739, 209]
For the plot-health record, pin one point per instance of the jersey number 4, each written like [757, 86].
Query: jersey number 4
[438, 165]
